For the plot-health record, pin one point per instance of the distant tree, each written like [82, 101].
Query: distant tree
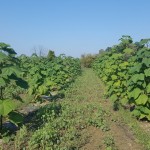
[39, 51]
[126, 39]
[145, 42]
[101, 51]
[126, 42]
[87, 60]
[108, 49]
[51, 55]
[34, 55]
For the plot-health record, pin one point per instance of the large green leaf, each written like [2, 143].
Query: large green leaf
[31, 90]
[36, 79]
[145, 110]
[2, 82]
[15, 117]
[148, 117]
[114, 77]
[44, 72]
[124, 101]
[6, 106]
[3, 57]
[142, 116]
[7, 48]
[137, 77]
[114, 97]
[34, 70]
[135, 93]
[144, 41]
[142, 99]
[42, 89]
[121, 74]
[147, 72]
[148, 88]
[128, 51]
[146, 61]
[104, 78]
[8, 71]
[124, 65]
[136, 112]
[117, 84]
[136, 68]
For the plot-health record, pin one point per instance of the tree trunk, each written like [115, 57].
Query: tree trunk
[1, 125]
[1, 93]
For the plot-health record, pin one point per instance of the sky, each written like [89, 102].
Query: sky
[71, 27]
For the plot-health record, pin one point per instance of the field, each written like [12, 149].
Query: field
[74, 75]
[52, 103]
[84, 119]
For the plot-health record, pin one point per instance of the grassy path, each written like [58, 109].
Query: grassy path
[83, 120]
[105, 127]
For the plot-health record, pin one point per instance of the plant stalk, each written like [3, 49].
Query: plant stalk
[1, 125]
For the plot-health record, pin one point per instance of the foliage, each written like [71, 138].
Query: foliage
[35, 75]
[139, 83]
[87, 60]
[99, 120]
[9, 75]
[63, 125]
[45, 76]
[51, 55]
[110, 143]
[125, 71]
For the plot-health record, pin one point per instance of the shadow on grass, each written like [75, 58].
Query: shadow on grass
[35, 117]
[39, 117]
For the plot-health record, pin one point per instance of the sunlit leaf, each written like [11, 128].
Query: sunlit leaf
[6, 106]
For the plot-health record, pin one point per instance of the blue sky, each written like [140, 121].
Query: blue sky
[73, 27]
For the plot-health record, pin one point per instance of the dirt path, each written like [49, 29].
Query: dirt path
[119, 135]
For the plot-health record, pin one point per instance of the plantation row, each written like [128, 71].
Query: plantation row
[33, 75]
[125, 69]
[46, 75]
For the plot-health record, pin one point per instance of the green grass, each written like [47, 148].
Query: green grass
[142, 136]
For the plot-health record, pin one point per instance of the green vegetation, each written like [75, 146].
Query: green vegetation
[45, 75]
[51, 55]
[71, 111]
[87, 60]
[142, 135]
[62, 125]
[109, 143]
[10, 74]
[73, 122]
[36, 76]
[124, 69]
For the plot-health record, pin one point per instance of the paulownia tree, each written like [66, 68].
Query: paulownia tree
[9, 72]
